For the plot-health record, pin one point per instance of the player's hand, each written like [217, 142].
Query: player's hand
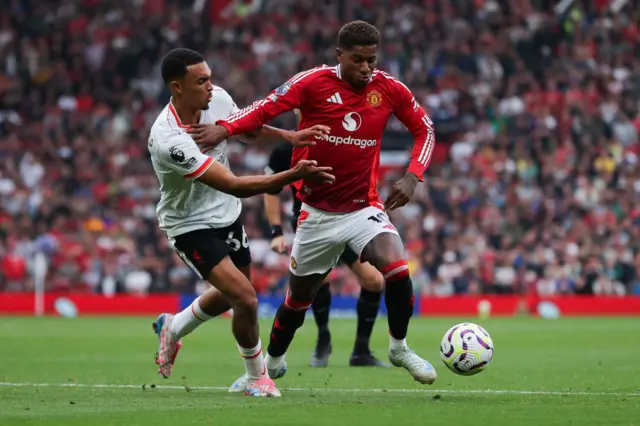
[401, 192]
[308, 169]
[305, 137]
[279, 245]
[207, 136]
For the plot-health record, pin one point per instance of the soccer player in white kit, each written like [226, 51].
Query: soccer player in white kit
[199, 211]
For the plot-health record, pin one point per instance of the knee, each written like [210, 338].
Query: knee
[249, 301]
[302, 291]
[298, 301]
[246, 299]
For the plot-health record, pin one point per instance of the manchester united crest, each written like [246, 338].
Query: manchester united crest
[374, 98]
[294, 264]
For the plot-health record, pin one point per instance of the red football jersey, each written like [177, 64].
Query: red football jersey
[357, 118]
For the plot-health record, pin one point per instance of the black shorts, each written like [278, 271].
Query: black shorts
[203, 249]
[348, 256]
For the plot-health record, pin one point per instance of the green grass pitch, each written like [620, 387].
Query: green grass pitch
[91, 371]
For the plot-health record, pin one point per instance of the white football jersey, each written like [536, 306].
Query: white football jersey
[186, 204]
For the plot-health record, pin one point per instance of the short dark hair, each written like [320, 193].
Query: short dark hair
[358, 33]
[175, 63]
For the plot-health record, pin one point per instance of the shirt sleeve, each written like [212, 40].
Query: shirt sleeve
[285, 98]
[181, 155]
[412, 115]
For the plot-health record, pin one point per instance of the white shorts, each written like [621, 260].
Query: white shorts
[321, 237]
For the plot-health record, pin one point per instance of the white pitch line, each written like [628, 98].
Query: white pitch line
[337, 390]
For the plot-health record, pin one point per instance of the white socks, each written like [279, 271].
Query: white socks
[273, 361]
[397, 344]
[189, 319]
[254, 361]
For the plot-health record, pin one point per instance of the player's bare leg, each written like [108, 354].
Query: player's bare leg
[386, 252]
[172, 328]
[372, 283]
[240, 385]
[290, 317]
[242, 297]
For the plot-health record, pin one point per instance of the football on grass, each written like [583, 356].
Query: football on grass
[466, 349]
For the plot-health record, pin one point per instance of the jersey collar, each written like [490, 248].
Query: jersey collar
[339, 73]
[173, 111]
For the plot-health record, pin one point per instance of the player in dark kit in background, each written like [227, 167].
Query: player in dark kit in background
[355, 101]
[371, 281]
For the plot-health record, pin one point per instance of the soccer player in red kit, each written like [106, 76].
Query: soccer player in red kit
[355, 101]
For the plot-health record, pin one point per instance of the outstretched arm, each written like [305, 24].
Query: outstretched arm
[267, 134]
[221, 178]
[289, 96]
[248, 124]
[249, 121]
[208, 136]
[180, 154]
[272, 135]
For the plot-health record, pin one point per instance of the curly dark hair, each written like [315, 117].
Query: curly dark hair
[176, 61]
[358, 33]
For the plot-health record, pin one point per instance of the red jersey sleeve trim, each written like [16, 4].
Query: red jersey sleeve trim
[203, 168]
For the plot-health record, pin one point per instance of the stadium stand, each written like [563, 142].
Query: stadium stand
[535, 187]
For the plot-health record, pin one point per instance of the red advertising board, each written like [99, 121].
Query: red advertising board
[90, 304]
[511, 305]
[95, 304]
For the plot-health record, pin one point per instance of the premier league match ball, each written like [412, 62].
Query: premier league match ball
[466, 349]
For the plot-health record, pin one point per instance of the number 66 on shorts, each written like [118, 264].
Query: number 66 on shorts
[203, 249]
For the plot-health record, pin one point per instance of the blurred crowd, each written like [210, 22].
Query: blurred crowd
[535, 104]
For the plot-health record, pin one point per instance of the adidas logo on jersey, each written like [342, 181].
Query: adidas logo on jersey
[335, 99]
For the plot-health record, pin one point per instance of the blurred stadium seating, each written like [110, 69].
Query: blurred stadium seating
[535, 188]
